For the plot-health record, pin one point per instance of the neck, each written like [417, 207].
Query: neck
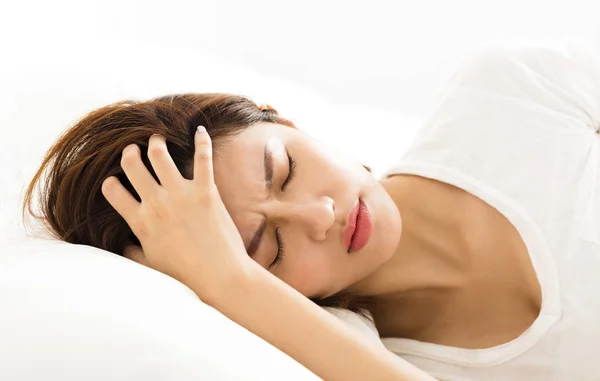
[431, 254]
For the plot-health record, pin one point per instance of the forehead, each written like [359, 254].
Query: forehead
[239, 159]
[240, 173]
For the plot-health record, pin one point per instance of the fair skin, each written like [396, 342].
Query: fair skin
[466, 277]
[309, 213]
[430, 263]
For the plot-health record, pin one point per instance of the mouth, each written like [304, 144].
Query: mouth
[358, 227]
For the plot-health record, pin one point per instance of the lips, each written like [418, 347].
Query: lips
[358, 227]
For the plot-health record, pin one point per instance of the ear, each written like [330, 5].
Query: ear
[266, 107]
[271, 109]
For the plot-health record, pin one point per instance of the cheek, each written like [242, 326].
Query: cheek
[309, 275]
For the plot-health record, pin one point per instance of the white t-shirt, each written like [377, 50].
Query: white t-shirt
[519, 128]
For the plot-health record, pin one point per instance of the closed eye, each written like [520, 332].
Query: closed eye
[291, 172]
[280, 250]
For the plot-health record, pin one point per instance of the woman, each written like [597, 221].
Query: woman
[475, 256]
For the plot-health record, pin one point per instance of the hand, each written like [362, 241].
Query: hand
[183, 226]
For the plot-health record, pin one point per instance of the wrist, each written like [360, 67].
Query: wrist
[229, 285]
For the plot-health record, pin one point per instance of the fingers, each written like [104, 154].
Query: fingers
[203, 165]
[137, 173]
[120, 199]
[163, 163]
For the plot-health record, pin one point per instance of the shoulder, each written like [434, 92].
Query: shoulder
[560, 78]
[507, 92]
[515, 118]
[550, 60]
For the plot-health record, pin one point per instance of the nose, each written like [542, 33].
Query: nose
[316, 215]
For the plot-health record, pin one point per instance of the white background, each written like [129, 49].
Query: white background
[376, 53]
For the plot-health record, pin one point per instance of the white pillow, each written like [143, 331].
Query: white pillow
[74, 312]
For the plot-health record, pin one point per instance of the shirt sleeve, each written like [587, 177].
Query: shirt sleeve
[521, 120]
[562, 79]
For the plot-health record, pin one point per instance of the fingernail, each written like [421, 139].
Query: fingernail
[201, 129]
[128, 148]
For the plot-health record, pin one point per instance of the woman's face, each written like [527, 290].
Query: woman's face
[289, 194]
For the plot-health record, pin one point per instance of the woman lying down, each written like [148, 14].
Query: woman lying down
[477, 256]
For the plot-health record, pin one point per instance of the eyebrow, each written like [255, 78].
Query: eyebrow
[268, 162]
[268, 159]
[255, 242]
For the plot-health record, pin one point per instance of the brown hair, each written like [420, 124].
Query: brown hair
[73, 208]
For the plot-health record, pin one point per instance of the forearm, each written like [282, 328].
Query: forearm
[271, 309]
